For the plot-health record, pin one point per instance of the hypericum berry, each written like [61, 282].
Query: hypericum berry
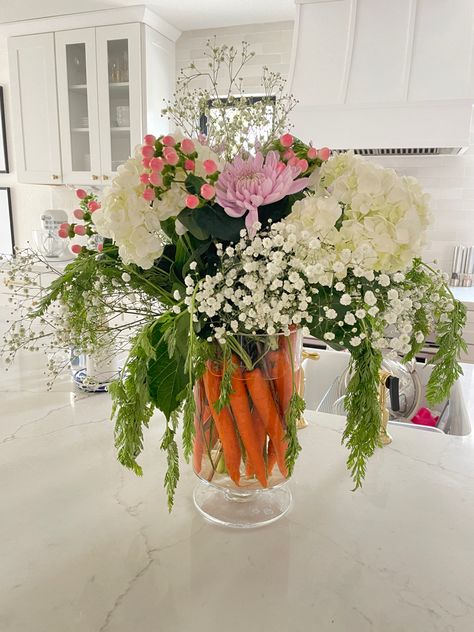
[149, 194]
[192, 201]
[187, 146]
[286, 140]
[149, 139]
[208, 191]
[147, 151]
[168, 141]
[78, 214]
[324, 153]
[157, 164]
[81, 194]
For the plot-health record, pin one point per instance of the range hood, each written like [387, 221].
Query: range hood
[382, 76]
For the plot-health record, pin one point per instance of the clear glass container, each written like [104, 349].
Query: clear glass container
[240, 449]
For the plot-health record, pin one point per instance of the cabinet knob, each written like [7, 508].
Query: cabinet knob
[55, 177]
[105, 177]
[95, 177]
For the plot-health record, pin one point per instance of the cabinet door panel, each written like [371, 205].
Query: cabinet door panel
[78, 111]
[35, 113]
[119, 93]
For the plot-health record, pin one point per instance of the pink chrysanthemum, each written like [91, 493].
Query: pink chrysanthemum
[244, 185]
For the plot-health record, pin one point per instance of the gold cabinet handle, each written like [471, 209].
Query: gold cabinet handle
[105, 177]
[310, 355]
[95, 177]
[55, 177]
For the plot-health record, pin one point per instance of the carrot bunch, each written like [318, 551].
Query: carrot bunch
[250, 430]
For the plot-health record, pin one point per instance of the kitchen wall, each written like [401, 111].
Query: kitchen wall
[448, 179]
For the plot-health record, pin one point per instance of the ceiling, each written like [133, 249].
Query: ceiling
[184, 14]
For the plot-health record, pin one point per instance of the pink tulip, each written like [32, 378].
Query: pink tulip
[149, 139]
[76, 249]
[78, 214]
[303, 165]
[144, 178]
[208, 191]
[146, 163]
[147, 151]
[81, 194]
[79, 229]
[168, 141]
[312, 153]
[286, 140]
[187, 146]
[149, 195]
[192, 201]
[189, 165]
[171, 156]
[210, 167]
[157, 164]
[62, 232]
[93, 206]
[324, 153]
[156, 179]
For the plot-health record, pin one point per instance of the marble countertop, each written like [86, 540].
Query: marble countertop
[465, 295]
[86, 546]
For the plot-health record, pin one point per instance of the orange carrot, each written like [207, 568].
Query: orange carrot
[239, 403]
[271, 458]
[279, 370]
[261, 395]
[261, 439]
[201, 438]
[224, 424]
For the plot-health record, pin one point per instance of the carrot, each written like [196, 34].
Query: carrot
[261, 438]
[239, 403]
[279, 369]
[224, 424]
[201, 438]
[261, 395]
[271, 458]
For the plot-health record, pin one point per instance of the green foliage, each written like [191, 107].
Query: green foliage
[446, 360]
[169, 445]
[295, 410]
[363, 411]
[212, 221]
[228, 369]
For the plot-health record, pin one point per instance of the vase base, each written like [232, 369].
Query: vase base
[241, 510]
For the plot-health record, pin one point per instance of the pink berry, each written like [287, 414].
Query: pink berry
[303, 165]
[100, 247]
[78, 214]
[168, 141]
[280, 167]
[286, 140]
[64, 226]
[146, 163]
[155, 179]
[210, 167]
[192, 201]
[171, 157]
[208, 191]
[157, 164]
[147, 151]
[293, 162]
[79, 229]
[149, 195]
[144, 178]
[81, 194]
[312, 153]
[289, 154]
[189, 165]
[62, 232]
[93, 206]
[187, 146]
[76, 249]
[149, 139]
[324, 153]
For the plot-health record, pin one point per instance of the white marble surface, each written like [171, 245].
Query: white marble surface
[465, 295]
[85, 546]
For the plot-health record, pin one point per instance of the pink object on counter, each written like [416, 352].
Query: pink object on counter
[424, 417]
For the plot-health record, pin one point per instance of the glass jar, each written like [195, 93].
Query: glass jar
[240, 448]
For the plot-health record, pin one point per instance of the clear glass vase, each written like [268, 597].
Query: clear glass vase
[240, 448]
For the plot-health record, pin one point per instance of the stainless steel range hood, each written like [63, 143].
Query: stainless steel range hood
[384, 76]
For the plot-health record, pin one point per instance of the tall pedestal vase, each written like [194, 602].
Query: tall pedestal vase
[239, 448]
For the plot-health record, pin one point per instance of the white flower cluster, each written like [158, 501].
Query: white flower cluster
[258, 288]
[384, 213]
[128, 219]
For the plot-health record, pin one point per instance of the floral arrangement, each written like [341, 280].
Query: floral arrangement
[211, 245]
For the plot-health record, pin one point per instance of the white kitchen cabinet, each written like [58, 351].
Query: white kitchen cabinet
[107, 83]
[35, 108]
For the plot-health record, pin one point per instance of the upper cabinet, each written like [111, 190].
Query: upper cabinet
[85, 97]
[35, 109]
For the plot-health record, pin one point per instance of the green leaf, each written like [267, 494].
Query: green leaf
[193, 184]
[167, 377]
[212, 221]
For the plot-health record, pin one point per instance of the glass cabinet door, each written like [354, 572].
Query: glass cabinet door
[119, 89]
[78, 112]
